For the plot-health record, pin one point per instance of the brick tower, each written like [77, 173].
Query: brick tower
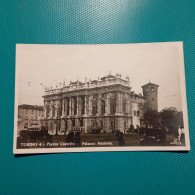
[150, 92]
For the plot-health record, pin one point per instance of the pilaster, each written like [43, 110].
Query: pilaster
[70, 106]
[62, 107]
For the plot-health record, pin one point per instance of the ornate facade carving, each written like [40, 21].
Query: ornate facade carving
[106, 103]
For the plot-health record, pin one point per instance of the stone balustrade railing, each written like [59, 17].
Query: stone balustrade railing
[87, 85]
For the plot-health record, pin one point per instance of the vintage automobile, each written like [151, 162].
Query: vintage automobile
[150, 141]
[151, 138]
[35, 133]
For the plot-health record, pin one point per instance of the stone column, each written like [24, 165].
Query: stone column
[45, 110]
[129, 106]
[117, 103]
[69, 125]
[85, 121]
[70, 106]
[106, 124]
[99, 105]
[51, 109]
[77, 103]
[120, 103]
[80, 105]
[85, 105]
[62, 107]
[65, 106]
[62, 125]
[107, 106]
[56, 110]
[90, 105]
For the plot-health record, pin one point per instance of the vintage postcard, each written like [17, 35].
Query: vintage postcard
[85, 98]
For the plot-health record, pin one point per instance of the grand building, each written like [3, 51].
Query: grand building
[29, 115]
[107, 103]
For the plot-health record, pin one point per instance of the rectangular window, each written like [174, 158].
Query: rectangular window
[101, 124]
[112, 125]
[52, 127]
[73, 122]
[134, 113]
[92, 123]
[125, 124]
[81, 122]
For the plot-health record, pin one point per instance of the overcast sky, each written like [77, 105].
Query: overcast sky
[52, 64]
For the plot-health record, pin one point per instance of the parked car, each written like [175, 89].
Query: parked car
[150, 141]
[35, 133]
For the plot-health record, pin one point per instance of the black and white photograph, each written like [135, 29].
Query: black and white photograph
[109, 97]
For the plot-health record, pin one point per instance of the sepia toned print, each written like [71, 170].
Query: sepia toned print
[76, 98]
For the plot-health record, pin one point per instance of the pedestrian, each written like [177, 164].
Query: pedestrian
[77, 139]
[70, 137]
[121, 141]
[163, 135]
[181, 135]
[141, 131]
[176, 135]
[117, 134]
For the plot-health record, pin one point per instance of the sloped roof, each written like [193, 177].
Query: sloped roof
[137, 95]
[150, 84]
[30, 107]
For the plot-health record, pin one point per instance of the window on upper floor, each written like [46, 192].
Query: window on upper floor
[134, 112]
[94, 107]
[112, 107]
[102, 107]
[124, 105]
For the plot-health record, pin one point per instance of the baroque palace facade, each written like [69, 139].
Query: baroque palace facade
[106, 103]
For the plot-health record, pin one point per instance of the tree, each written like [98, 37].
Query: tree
[150, 117]
[171, 118]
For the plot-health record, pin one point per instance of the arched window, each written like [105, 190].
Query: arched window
[94, 107]
[135, 112]
[82, 105]
[53, 111]
[60, 111]
[67, 105]
[124, 104]
[102, 107]
[112, 107]
[101, 124]
[47, 110]
[73, 122]
[81, 122]
[75, 106]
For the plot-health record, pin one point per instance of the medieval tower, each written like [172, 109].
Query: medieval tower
[150, 92]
